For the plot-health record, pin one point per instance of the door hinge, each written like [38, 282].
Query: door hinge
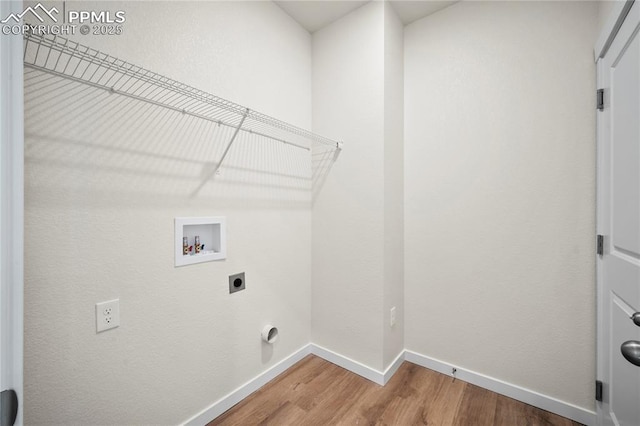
[598, 390]
[600, 99]
[9, 405]
[600, 245]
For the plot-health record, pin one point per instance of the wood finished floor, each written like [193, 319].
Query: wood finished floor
[317, 392]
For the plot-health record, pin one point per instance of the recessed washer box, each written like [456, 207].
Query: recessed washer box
[212, 234]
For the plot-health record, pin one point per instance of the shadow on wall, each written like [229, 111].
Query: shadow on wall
[322, 158]
[113, 151]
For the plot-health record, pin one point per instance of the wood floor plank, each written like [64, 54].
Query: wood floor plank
[439, 396]
[320, 391]
[317, 392]
[261, 403]
[287, 413]
[344, 397]
[401, 411]
[478, 407]
[375, 402]
[510, 412]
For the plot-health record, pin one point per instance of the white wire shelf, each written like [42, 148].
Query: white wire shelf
[71, 60]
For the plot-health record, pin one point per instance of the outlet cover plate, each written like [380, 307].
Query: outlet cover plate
[236, 282]
[107, 315]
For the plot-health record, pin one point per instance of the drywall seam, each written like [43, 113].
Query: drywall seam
[231, 399]
[527, 396]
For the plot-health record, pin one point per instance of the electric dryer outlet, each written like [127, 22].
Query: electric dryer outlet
[236, 282]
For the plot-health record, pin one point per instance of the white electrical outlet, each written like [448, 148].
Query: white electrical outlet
[392, 317]
[107, 315]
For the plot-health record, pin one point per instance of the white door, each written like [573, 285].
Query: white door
[11, 220]
[619, 223]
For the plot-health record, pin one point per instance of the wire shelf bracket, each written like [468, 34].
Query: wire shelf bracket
[224, 154]
[73, 61]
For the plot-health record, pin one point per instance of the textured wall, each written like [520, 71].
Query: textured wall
[105, 177]
[348, 213]
[498, 210]
[358, 261]
[500, 192]
[393, 184]
[605, 8]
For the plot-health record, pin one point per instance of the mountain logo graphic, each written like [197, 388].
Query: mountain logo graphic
[34, 11]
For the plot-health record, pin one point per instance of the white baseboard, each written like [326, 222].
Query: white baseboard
[507, 389]
[358, 368]
[349, 364]
[527, 396]
[391, 370]
[231, 399]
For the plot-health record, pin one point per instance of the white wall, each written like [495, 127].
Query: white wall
[348, 213]
[605, 8]
[496, 203]
[357, 248]
[499, 190]
[393, 184]
[11, 212]
[105, 177]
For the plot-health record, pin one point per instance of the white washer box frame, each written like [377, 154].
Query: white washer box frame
[212, 232]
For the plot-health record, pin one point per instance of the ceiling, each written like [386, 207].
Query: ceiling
[316, 14]
[412, 10]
